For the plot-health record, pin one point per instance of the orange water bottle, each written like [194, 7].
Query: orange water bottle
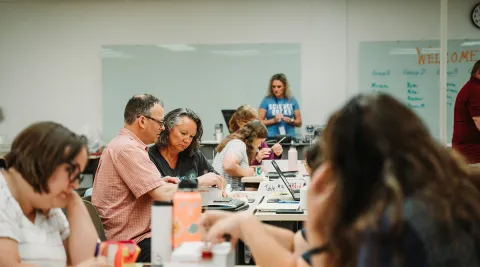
[187, 209]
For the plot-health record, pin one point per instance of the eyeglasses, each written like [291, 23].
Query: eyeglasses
[150, 118]
[72, 167]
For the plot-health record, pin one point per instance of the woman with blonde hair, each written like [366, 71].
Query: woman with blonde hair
[279, 110]
[243, 115]
[237, 150]
[385, 193]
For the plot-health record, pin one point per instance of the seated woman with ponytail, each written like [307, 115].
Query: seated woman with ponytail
[237, 150]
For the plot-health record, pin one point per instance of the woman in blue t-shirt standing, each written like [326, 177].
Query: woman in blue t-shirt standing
[279, 110]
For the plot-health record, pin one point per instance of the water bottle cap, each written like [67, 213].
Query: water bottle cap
[188, 184]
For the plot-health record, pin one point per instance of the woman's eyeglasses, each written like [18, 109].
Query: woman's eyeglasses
[72, 167]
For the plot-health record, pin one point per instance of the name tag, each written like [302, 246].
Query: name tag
[281, 129]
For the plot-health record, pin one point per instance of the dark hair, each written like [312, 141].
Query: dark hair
[244, 113]
[39, 149]
[314, 156]
[382, 153]
[247, 134]
[139, 105]
[173, 118]
[475, 69]
[279, 77]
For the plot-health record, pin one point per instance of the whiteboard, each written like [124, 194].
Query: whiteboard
[204, 78]
[410, 71]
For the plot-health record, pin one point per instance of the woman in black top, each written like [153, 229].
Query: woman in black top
[177, 153]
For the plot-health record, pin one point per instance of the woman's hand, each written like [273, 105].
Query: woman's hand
[212, 179]
[288, 120]
[211, 217]
[249, 172]
[172, 180]
[279, 117]
[277, 149]
[73, 200]
[95, 262]
[216, 226]
[320, 199]
[262, 154]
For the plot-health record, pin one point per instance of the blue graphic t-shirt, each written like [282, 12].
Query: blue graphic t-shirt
[284, 106]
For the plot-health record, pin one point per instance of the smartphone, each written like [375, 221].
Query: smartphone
[273, 200]
[289, 212]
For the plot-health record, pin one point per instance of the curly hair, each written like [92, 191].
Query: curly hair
[247, 134]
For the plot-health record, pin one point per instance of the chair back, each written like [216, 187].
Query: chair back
[87, 198]
[92, 211]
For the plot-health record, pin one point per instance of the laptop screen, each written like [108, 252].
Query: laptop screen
[227, 114]
[287, 184]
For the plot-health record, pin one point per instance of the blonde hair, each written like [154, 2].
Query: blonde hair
[244, 113]
[279, 77]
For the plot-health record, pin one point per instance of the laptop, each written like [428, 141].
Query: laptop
[227, 114]
[294, 192]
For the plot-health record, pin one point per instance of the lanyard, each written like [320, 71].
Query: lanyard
[284, 102]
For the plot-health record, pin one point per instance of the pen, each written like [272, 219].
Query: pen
[280, 140]
[97, 248]
[288, 202]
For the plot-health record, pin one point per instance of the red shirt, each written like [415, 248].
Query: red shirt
[466, 136]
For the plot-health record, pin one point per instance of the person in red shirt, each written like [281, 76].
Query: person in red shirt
[466, 118]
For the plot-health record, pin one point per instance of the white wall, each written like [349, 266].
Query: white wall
[50, 64]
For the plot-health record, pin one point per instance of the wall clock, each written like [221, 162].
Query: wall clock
[476, 15]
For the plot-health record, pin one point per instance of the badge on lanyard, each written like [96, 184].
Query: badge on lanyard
[281, 129]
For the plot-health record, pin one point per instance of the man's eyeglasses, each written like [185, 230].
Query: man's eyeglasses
[72, 167]
[150, 118]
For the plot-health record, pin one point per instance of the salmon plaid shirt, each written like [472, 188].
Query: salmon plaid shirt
[124, 177]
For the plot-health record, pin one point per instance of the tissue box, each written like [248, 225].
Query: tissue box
[190, 254]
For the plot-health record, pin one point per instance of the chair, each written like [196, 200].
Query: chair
[87, 198]
[95, 219]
